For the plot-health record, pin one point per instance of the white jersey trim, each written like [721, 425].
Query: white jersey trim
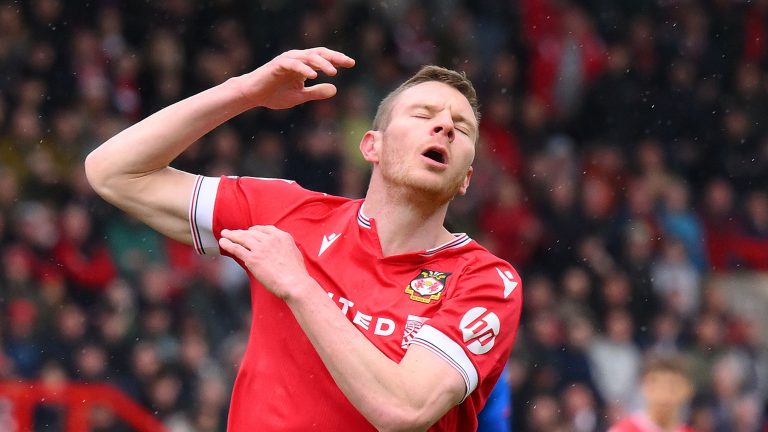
[445, 347]
[201, 215]
[362, 219]
[459, 239]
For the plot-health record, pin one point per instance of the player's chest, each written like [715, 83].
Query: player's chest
[387, 301]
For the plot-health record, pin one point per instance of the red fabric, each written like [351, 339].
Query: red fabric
[542, 22]
[182, 259]
[510, 229]
[504, 147]
[92, 272]
[720, 240]
[753, 252]
[755, 34]
[640, 423]
[539, 19]
[282, 383]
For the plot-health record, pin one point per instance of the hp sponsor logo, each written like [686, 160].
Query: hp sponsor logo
[480, 328]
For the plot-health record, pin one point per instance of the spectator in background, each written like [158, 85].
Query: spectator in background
[666, 390]
[678, 220]
[615, 361]
[83, 255]
[515, 242]
[676, 280]
[496, 416]
[721, 224]
[580, 408]
[753, 242]
[545, 415]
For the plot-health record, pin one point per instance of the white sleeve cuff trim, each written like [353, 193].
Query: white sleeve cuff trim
[201, 215]
[445, 347]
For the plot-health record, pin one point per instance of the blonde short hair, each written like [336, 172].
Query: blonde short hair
[457, 80]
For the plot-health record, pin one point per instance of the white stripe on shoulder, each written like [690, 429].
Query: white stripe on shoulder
[445, 347]
[458, 241]
[201, 215]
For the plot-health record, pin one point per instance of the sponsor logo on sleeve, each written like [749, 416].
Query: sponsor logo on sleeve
[427, 286]
[506, 277]
[479, 328]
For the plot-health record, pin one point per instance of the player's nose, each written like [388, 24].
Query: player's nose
[444, 125]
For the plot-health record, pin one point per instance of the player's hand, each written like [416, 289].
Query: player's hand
[280, 83]
[270, 255]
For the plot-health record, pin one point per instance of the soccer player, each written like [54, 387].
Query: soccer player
[366, 313]
[667, 389]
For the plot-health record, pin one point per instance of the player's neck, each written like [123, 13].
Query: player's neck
[666, 419]
[404, 226]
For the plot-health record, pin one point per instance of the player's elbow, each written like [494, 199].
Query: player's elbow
[95, 172]
[403, 419]
[104, 178]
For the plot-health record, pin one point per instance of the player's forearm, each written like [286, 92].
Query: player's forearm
[151, 144]
[375, 384]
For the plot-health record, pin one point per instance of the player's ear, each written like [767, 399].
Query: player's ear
[370, 145]
[465, 185]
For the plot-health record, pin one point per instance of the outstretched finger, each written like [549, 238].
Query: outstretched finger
[336, 58]
[319, 62]
[299, 67]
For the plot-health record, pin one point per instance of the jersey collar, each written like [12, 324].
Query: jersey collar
[459, 239]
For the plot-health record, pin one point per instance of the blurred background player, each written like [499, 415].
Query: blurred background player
[666, 389]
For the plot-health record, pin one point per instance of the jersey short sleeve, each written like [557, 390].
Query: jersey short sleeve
[475, 328]
[238, 203]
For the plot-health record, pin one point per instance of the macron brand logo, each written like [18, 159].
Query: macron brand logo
[327, 242]
[509, 285]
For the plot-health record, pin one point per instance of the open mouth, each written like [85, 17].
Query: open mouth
[436, 155]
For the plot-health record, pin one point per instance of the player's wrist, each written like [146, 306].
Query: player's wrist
[245, 91]
[299, 289]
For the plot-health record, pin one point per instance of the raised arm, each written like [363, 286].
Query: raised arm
[131, 169]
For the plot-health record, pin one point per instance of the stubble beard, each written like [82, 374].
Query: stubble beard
[404, 180]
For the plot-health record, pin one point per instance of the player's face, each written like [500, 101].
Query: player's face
[666, 389]
[429, 143]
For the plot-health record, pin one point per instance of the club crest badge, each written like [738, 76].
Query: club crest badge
[427, 286]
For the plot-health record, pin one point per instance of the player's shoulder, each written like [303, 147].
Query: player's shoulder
[481, 269]
[479, 260]
[285, 188]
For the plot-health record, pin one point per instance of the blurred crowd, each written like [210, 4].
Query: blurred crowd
[622, 163]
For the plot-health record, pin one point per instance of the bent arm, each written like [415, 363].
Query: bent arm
[405, 396]
[131, 169]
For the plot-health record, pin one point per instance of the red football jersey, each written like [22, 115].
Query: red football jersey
[641, 423]
[457, 300]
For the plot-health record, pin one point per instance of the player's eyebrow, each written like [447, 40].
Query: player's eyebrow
[432, 108]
